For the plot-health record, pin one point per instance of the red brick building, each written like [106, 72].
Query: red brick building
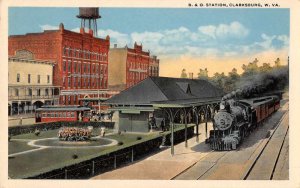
[129, 66]
[154, 66]
[82, 60]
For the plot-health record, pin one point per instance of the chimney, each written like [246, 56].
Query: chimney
[91, 32]
[190, 75]
[82, 30]
[115, 45]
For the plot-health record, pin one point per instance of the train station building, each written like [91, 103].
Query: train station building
[156, 97]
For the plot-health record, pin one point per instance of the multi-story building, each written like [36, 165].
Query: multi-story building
[81, 61]
[30, 83]
[129, 66]
[154, 66]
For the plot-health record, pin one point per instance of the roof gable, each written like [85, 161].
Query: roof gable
[184, 86]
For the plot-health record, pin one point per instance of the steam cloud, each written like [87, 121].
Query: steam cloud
[260, 84]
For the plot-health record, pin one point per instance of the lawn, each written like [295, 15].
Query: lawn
[18, 146]
[36, 162]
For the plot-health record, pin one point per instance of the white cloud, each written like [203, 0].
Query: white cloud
[48, 27]
[207, 41]
[209, 30]
[116, 37]
[285, 39]
[232, 30]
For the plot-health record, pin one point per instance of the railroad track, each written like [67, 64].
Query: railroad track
[257, 160]
[264, 165]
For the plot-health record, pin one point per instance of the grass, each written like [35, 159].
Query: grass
[44, 160]
[18, 146]
[48, 159]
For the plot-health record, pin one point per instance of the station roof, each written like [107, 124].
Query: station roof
[162, 91]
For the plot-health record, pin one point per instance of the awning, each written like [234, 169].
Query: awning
[131, 110]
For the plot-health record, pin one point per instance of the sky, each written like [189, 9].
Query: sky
[191, 38]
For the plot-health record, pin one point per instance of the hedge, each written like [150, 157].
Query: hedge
[24, 129]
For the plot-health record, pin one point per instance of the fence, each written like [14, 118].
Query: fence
[112, 160]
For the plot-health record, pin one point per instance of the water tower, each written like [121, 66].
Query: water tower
[89, 16]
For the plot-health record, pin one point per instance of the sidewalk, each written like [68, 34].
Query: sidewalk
[162, 166]
[27, 119]
[24, 116]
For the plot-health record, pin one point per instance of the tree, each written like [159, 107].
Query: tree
[203, 74]
[219, 79]
[233, 74]
[251, 68]
[230, 81]
[183, 74]
[277, 63]
[266, 67]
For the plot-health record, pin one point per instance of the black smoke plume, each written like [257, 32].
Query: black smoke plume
[261, 84]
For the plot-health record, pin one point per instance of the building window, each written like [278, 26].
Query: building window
[46, 92]
[16, 92]
[64, 66]
[48, 79]
[69, 52]
[29, 78]
[64, 51]
[75, 66]
[69, 82]
[38, 79]
[69, 66]
[29, 92]
[64, 81]
[74, 82]
[18, 77]
[84, 68]
[79, 82]
[38, 92]
[79, 67]
[69, 102]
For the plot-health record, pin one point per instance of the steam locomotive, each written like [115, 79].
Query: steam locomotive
[236, 118]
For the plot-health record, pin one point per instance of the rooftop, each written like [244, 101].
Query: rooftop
[165, 90]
